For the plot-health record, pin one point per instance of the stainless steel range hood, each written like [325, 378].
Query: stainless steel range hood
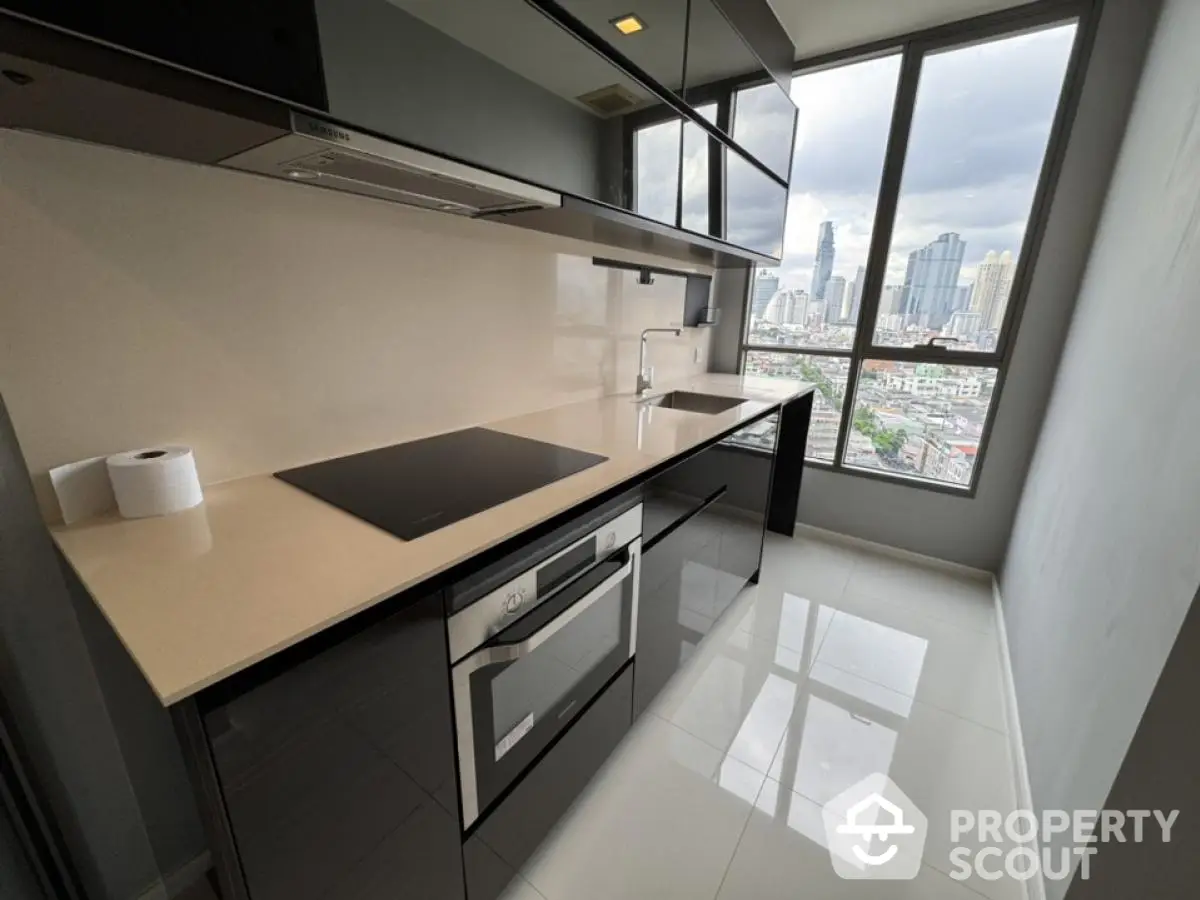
[336, 157]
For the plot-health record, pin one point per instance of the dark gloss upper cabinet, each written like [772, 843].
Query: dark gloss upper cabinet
[268, 45]
[728, 41]
[657, 49]
[495, 83]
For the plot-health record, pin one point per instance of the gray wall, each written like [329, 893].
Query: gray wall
[97, 747]
[1158, 772]
[974, 531]
[1104, 562]
[445, 96]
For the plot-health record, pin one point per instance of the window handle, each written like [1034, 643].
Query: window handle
[933, 344]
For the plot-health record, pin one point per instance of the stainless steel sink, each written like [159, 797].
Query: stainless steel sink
[709, 404]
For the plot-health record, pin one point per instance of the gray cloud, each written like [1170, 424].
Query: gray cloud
[978, 138]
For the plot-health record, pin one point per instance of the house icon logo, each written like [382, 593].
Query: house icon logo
[874, 831]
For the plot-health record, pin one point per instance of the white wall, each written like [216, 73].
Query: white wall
[1105, 555]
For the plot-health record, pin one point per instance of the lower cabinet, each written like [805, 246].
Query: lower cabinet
[708, 514]
[514, 829]
[338, 772]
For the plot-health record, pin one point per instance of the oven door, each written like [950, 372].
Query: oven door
[520, 690]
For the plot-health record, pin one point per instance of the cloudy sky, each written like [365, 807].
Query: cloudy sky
[979, 133]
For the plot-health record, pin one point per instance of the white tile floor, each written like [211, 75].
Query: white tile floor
[838, 664]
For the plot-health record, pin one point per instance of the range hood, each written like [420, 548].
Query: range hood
[336, 157]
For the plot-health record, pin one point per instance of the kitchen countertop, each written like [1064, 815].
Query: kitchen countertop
[261, 565]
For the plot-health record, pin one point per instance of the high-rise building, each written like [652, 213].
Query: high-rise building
[931, 281]
[835, 297]
[780, 308]
[765, 286]
[889, 303]
[993, 283]
[856, 292]
[823, 267]
[962, 299]
[800, 302]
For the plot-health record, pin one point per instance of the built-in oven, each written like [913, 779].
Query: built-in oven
[529, 655]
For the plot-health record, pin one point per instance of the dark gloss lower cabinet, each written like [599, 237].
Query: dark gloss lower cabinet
[338, 773]
[514, 829]
[705, 518]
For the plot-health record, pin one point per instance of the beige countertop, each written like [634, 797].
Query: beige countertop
[261, 565]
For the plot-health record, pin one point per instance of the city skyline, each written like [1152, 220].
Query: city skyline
[980, 188]
[933, 296]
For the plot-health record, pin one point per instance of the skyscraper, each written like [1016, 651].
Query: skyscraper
[780, 308]
[765, 286]
[993, 282]
[823, 267]
[931, 281]
[835, 297]
[890, 302]
[860, 280]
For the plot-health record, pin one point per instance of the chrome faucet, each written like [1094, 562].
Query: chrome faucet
[645, 379]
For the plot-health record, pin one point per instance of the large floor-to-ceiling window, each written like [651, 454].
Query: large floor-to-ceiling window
[913, 207]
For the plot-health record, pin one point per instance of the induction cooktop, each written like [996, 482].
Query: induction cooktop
[415, 488]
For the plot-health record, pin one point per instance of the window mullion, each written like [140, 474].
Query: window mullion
[881, 232]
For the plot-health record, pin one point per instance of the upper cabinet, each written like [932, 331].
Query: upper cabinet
[553, 93]
[650, 34]
[720, 58]
[495, 83]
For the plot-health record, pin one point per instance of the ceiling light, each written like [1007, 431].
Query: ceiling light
[628, 24]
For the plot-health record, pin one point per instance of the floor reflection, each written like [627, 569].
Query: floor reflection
[815, 696]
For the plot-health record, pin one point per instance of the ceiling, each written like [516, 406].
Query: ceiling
[819, 26]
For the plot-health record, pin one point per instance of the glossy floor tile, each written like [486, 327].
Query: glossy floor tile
[838, 664]
[661, 820]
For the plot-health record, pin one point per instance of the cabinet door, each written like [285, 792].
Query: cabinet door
[678, 603]
[749, 455]
[495, 83]
[268, 45]
[652, 35]
[338, 773]
[763, 118]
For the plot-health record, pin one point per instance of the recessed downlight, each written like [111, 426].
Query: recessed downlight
[301, 174]
[628, 24]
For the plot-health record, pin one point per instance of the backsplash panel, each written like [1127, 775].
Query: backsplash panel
[268, 325]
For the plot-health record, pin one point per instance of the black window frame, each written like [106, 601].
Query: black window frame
[913, 49]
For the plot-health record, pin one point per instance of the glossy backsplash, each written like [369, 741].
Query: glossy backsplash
[268, 325]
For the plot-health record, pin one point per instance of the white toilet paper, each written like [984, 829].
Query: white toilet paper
[155, 481]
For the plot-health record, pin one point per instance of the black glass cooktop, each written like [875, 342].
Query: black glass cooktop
[415, 488]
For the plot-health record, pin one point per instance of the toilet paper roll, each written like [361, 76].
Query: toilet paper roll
[156, 481]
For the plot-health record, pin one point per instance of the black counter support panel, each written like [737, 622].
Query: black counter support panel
[789, 465]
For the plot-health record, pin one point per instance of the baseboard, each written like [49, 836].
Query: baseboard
[1035, 888]
[174, 884]
[932, 562]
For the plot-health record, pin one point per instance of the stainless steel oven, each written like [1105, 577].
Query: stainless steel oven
[529, 655]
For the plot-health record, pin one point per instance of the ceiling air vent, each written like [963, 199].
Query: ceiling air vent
[609, 101]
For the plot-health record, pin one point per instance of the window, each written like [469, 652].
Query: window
[914, 180]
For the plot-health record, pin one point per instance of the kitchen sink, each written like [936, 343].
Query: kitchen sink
[709, 404]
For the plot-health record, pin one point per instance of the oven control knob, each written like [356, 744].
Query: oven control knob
[513, 602]
[610, 540]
